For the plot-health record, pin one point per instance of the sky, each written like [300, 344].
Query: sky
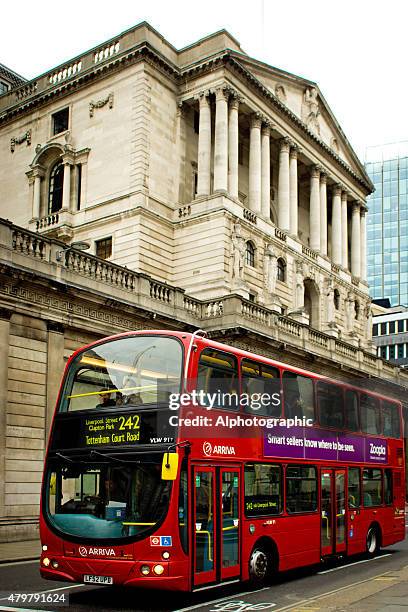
[355, 50]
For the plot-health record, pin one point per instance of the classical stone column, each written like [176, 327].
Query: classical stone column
[221, 140]
[314, 212]
[283, 186]
[233, 140]
[255, 163]
[66, 193]
[355, 240]
[293, 190]
[37, 196]
[204, 146]
[266, 171]
[323, 213]
[344, 231]
[4, 370]
[336, 226]
[363, 229]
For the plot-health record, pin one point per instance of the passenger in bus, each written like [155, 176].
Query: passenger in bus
[105, 399]
[134, 399]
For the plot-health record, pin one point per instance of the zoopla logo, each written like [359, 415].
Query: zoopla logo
[207, 449]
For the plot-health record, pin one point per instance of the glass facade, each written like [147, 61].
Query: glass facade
[387, 230]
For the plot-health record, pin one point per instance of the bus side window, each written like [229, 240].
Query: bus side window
[258, 379]
[218, 376]
[354, 487]
[372, 487]
[298, 396]
[391, 419]
[351, 411]
[370, 414]
[330, 404]
[301, 488]
[263, 489]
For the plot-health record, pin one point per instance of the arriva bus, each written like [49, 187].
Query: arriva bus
[153, 479]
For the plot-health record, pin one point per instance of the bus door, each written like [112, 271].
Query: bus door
[333, 511]
[216, 524]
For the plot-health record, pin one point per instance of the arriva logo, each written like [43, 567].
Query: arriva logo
[100, 552]
[210, 450]
[380, 450]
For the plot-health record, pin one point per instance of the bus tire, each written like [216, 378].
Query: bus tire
[372, 541]
[260, 565]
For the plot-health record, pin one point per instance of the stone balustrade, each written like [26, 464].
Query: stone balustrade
[46, 259]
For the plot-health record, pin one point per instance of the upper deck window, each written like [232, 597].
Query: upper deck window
[298, 396]
[330, 401]
[370, 414]
[130, 371]
[259, 379]
[218, 377]
[391, 419]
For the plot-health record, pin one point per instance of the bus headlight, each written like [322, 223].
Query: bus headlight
[46, 561]
[45, 547]
[145, 570]
[166, 555]
[158, 569]
[54, 564]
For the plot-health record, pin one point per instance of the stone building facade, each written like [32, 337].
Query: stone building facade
[214, 190]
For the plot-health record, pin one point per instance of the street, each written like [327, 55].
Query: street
[358, 583]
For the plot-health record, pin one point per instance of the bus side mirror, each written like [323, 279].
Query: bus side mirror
[169, 466]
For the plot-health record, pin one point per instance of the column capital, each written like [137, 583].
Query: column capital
[344, 194]
[256, 120]
[294, 151]
[234, 101]
[363, 210]
[285, 144]
[355, 206]
[337, 189]
[323, 177]
[315, 171]
[37, 170]
[202, 97]
[266, 128]
[68, 158]
[222, 92]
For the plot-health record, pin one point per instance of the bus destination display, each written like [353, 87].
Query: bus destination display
[111, 430]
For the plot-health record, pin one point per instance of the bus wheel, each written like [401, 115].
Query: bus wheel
[260, 565]
[372, 541]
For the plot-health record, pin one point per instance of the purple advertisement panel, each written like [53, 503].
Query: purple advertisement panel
[323, 445]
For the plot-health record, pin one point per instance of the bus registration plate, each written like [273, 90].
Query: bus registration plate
[98, 579]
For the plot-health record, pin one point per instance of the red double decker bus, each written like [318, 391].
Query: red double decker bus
[176, 462]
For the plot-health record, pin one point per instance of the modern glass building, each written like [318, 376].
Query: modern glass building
[387, 224]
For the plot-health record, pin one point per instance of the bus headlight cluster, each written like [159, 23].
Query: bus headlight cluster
[45, 547]
[166, 555]
[158, 569]
[54, 564]
[46, 561]
[145, 570]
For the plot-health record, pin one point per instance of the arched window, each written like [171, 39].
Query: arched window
[336, 298]
[250, 254]
[56, 188]
[281, 270]
[356, 309]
